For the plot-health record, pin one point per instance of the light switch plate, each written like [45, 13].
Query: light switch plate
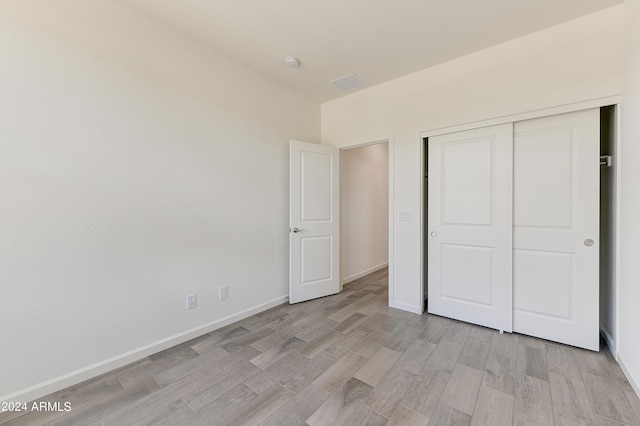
[404, 215]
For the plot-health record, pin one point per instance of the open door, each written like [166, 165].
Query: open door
[314, 226]
[470, 226]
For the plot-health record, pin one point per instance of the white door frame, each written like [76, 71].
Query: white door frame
[389, 142]
[348, 148]
[593, 103]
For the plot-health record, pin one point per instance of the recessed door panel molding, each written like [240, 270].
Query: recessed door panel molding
[469, 226]
[556, 209]
[530, 295]
[316, 259]
[477, 263]
[466, 185]
[316, 195]
[544, 178]
[313, 221]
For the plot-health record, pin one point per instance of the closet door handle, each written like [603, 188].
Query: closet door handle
[434, 234]
[589, 242]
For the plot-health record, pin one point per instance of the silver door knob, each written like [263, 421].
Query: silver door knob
[296, 230]
[589, 242]
[434, 234]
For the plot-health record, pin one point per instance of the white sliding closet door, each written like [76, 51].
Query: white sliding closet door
[470, 226]
[556, 228]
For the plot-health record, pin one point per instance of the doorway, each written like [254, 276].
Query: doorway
[364, 210]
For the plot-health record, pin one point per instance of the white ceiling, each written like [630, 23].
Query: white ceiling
[379, 40]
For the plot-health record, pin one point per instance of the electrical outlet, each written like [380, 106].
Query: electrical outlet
[223, 292]
[191, 301]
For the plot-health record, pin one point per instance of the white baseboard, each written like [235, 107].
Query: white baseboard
[635, 384]
[363, 273]
[61, 382]
[409, 308]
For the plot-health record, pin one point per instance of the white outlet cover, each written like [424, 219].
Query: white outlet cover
[223, 292]
[191, 301]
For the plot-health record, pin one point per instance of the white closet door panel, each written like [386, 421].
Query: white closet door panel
[556, 209]
[470, 226]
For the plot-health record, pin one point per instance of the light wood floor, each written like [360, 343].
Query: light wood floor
[349, 359]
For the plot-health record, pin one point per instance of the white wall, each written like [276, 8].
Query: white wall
[364, 210]
[629, 298]
[136, 166]
[572, 62]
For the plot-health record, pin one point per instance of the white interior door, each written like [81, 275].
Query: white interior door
[314, 239]
[469, 228]
[556, 228]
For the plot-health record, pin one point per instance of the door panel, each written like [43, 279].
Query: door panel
[315, 175]
[315, 258]
[556, 208]
[314, 269]
[470, 226]
[477, 269]
[466, 195]
[535, 284]
[543, 183]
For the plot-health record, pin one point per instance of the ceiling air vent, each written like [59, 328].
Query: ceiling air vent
[348, 82]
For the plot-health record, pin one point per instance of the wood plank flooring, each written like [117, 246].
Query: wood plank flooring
[349, 359]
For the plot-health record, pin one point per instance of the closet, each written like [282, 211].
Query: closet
[513, 227]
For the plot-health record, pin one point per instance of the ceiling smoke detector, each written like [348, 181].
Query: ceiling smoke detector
[292, 62]
[348, 82]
